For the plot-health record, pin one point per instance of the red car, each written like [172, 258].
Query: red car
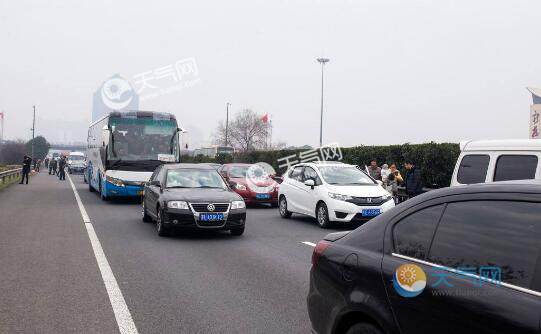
[251, 182]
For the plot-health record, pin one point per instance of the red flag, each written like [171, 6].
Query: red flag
[265, 118]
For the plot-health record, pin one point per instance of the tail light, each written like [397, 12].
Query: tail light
[318, 251]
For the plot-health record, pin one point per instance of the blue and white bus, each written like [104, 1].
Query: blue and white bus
[124, 148]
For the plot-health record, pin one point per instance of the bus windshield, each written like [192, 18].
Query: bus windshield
[134, 139]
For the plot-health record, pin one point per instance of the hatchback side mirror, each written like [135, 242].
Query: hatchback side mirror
[310, 183]
[155, 183]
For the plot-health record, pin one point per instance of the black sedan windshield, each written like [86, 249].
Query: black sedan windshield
[194, 178]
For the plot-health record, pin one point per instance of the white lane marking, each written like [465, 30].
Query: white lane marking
[308, 243]
[123, 316]
[86, 218]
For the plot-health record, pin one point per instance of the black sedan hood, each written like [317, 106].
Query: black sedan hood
[200, 195]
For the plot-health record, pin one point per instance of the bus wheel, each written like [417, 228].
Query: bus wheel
[102, 193]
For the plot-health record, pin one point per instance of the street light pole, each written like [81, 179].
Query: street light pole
[33, 131]
[322, 61]
[226, 121]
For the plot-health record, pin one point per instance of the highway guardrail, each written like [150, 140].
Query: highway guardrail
[9, 176]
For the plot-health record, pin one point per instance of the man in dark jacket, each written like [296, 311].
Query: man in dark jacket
[414, 183]
[27, 162]
[61, 166]
[52, 166]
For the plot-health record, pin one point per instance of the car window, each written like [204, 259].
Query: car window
[194, 178]
[296, 173]
[412, 235]
[502, 234]
[311, 174]
[238, 171]
[473, 169]
[515, 167]
[161, 174]
[345, 176]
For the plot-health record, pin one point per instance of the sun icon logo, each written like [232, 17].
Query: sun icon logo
[409, 280]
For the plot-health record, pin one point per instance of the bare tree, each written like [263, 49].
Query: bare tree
[246, 131]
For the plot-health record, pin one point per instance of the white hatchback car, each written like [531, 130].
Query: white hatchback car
[332, 192]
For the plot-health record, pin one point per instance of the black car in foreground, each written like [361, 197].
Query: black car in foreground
[456, 260]
[192, 196]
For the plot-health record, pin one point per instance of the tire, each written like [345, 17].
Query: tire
[237, 231]
[364, 328]
[146, 217]
[102, 195]
[322, 216]
[282, 208]
[160, 228]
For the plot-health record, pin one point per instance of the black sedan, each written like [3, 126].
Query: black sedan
[192, 196]
[456, 260]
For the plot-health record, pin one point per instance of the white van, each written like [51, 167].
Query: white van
[497, 160]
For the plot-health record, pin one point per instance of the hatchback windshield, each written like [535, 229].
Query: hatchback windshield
[194, 178]
[344, 176]
[238, 171]
[76, 157]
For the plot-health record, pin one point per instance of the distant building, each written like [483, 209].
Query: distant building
[115, 93]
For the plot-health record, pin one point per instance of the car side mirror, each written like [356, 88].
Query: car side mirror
[155, 183]
[310, 183]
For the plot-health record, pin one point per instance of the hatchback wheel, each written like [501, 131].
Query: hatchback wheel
[282, 207]
[322, 214]
[160, 228]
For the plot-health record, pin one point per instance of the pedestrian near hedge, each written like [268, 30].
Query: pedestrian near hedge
[414, 185]
[374, 170]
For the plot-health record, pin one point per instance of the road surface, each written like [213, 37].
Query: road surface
[54, 279]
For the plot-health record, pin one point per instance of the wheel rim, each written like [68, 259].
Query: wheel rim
[283, 206]
[322, 215]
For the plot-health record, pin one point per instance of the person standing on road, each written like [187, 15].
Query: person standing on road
[374, 170]
[52, 167]
[61, 166]
[27, 162]
[414, 185]
[46, 162]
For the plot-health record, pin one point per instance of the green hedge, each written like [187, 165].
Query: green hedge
[436, 161]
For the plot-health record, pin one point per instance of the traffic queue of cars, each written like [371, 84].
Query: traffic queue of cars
[459, 259]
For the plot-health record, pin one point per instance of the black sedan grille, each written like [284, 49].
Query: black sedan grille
[204, 207]
[367, 201]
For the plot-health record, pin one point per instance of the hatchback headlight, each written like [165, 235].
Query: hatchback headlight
[385, 198]
[177, 205]
[240, 186]
[114, 181]
[238, 205]
[340, 197]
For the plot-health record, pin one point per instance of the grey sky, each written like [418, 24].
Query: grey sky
[400, 71]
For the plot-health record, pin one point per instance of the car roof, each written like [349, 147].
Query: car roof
[531, 187]
[324, 163]
[233, 164]
[189, 166]
[501, 145]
